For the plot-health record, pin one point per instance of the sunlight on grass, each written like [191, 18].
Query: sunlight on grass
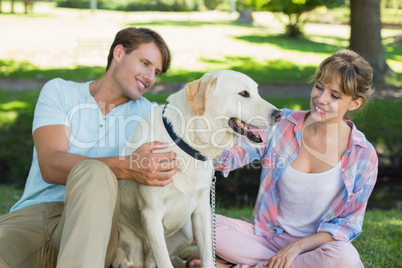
[296, 107]
[8, 118]
[9, 112]
[14, 105]
[397, 222]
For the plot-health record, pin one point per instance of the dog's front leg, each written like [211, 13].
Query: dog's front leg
[152, 221]
[201, 220]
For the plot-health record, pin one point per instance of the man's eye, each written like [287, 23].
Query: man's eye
[245, 94]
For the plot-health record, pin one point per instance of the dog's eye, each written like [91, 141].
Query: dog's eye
[245, 94]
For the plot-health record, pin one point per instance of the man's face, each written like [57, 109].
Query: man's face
[136, 72]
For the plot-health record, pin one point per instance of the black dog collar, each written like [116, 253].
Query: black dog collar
[179, 141]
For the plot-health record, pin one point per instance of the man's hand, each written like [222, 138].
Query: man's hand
[149, 168]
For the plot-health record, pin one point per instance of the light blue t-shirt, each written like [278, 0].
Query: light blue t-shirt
[92, 135]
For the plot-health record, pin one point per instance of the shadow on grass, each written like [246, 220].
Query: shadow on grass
[16, 115]
[393, 48]
[302, 44]
[11, 69]
[273, 71]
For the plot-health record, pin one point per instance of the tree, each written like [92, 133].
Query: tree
[365, 35]
[28, 6]
[245, 9]
[293, 9]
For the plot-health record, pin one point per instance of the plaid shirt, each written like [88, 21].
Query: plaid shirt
[344, 218]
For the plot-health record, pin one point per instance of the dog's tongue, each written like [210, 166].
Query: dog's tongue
[258, 132]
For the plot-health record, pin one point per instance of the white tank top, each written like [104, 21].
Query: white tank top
[305, 197]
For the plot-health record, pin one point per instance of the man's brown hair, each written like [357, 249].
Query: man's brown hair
[132, 38]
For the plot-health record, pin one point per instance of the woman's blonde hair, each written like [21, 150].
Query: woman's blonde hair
[354, 72]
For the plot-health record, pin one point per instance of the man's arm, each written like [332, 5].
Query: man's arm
[56, 162]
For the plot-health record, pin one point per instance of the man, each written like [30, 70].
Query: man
[68, 212]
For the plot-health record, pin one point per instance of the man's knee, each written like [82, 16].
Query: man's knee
[93, 171]
[92, 177]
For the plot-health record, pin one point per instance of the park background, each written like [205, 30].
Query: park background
[68, 39]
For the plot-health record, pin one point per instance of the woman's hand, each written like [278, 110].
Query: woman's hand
[285, 256]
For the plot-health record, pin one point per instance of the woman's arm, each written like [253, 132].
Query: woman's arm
[347, 222]
[243, 152]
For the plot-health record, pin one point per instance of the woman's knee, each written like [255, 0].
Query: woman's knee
[342, 253]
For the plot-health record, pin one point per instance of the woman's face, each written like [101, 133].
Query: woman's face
[329, 104]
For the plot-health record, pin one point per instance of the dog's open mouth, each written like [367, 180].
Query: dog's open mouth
[241, 127]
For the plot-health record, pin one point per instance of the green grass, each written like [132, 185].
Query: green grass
[16, 114]
[379, 244]
[8, 197]
[12, 69]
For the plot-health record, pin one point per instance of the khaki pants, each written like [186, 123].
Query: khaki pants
[81, 232]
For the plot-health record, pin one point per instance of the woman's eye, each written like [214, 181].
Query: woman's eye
[244, 94]
[335, 97]
[318, 87]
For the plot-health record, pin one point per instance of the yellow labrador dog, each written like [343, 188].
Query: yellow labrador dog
[199, 122]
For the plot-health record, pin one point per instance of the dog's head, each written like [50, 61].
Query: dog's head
[232, 98]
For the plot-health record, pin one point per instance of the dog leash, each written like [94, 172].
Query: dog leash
[213, 217]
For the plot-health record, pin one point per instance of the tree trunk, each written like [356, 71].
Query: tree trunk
[245, 16]
[365, 35]
[12, 6]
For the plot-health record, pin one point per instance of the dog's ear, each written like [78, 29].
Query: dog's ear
[197, 93]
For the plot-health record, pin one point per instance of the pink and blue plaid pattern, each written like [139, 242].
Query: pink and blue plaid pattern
[344, 219]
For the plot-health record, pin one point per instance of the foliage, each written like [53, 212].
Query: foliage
[139, 5]
[293, 9]
[212, 4]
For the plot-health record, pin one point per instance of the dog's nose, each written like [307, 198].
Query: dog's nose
[277, 115]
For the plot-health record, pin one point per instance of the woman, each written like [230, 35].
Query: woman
[318, 173]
